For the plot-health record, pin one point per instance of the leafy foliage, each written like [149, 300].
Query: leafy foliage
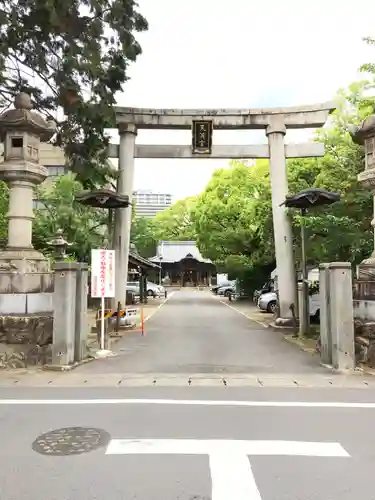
[233, 216]
[84, 227]
[173, 224]
[142, 235]
[72, 56]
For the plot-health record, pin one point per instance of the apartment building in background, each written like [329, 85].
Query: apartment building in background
[149, 203]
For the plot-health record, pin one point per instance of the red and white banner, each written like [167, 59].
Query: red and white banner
[102, 273]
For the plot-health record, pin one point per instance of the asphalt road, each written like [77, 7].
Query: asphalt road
[64, 440]
[250, 445]
[194, 333]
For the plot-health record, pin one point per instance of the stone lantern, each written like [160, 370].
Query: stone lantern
[365, 135]
[59, 244]
[22, 130]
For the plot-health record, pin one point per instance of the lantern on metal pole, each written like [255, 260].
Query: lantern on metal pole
[305, 199]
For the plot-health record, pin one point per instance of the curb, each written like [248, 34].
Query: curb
[299, 343]
[67, 368]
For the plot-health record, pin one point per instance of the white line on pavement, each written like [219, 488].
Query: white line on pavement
[189, 402]
[159, 306]
[231, 473]
[232, 477]
[244, 314]
[225, 446]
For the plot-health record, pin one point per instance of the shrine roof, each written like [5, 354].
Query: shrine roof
[175, 251]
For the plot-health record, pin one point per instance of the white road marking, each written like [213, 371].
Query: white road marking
[189, 402]
[231, 474]
[226, 446]
[159, 306]
[232, 477]
[244, 314]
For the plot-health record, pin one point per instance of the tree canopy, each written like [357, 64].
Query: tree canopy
[233, 216]
[72, 57]
[83, 226]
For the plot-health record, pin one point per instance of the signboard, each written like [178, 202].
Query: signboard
[102, 273]
[202, 136]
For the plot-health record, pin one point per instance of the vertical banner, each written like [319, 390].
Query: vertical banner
[102, 273]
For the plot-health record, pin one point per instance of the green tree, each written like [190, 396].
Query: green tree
[84, 227]
[72, 56]
[233, 216]
[343, 230]
[175, 223]
[142, 235]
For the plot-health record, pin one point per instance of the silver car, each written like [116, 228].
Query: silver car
[267, 302]
[154, 290]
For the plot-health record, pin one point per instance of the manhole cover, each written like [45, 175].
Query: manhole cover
[70, 441]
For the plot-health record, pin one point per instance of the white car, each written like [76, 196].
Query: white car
[154, 290]
[267, 302]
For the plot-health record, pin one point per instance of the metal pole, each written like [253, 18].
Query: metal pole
[306, 305]
[102, 346]
[110, 229]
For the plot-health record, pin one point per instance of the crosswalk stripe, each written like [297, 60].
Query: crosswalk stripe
[208, 446]
[230, 468]
[232, 477]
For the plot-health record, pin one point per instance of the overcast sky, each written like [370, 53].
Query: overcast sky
[239, 53]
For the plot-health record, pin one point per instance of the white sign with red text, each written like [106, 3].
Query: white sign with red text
[102, 273]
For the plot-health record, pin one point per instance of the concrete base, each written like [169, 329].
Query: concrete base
[27, 260]
[285, 322]
[104, 353]
[67, 368]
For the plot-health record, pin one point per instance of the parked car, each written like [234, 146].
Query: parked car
[215, 288]
[154, 290]
[133, 287]
[266, 288]
[267, 302]
[227, 290]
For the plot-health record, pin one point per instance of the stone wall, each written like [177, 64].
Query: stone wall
[365, 341]
[26, 319]
[364, 321]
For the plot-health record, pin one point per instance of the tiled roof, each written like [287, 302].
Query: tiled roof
[137, 260]
[174, 251]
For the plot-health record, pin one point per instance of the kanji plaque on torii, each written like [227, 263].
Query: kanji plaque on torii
[202, 136]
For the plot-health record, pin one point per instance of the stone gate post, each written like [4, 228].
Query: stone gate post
[282, 225]
[81, 321]
[325, 312]
[341, 315]
[64, 310]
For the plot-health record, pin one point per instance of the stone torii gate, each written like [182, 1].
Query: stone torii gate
[274, 121]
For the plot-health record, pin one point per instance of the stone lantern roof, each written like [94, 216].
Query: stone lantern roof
[365, 131]
[24, 119]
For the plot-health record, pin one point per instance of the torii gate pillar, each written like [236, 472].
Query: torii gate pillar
[282, 225]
